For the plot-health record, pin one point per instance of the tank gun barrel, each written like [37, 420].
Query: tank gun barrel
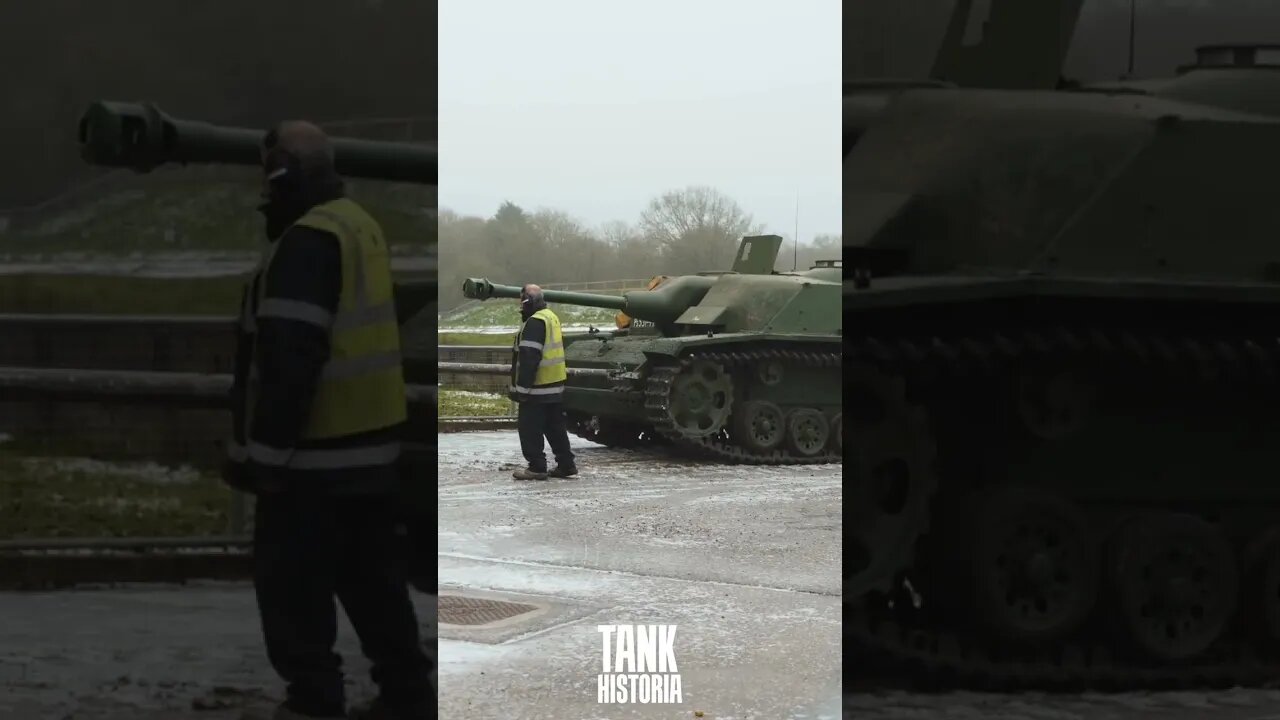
[661, 305]
[143, 137]
[482, 289]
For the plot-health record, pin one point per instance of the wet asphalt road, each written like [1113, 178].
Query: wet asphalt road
[1237, 704]
[144, 653]
[744, 560]
[740, 558]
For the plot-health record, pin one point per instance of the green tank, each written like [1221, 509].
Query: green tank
[1063, 375]
[142, 137]
[739, 366]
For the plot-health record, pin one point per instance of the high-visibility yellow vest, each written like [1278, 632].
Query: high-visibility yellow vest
[551, 375]
[362, 386]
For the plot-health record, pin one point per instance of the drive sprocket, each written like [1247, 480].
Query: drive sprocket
[893, 480]
[667, 407]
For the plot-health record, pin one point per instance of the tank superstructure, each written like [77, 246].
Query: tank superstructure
[1064, 302]
[742, 366]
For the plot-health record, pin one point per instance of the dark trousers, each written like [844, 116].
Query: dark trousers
[538, 420]
[309, 547]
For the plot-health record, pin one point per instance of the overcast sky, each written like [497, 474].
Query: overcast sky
[596, 107]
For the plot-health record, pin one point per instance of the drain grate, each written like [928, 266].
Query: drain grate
[459, 610]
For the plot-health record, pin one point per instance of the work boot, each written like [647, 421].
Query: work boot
[283, 712]
[528, 474]
[377, 710]
[560, 471]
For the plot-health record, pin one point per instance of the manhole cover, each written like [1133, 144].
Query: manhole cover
[458, 610]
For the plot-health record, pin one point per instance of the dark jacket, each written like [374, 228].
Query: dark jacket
[307, 267]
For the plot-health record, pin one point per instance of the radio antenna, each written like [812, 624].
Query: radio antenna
[795, 245]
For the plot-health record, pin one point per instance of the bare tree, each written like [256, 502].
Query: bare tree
[633, 255]
[681, 232]
[821, 247]
[828, 242]
[697, 227]
[556, 228]
[570, 252]
[618, 233]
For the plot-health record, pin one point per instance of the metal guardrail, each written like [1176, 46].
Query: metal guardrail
[495, 422]
[19, 571]
[53, 563]
[43, 563]
[139, 386]
[131, 387]
[469, 353]
[498, 369]
[474, 423]
[126, 543]
[449, 356]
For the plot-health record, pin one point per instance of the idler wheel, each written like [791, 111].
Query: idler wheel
[1176, 585]
[760, 426]
[1034, 565]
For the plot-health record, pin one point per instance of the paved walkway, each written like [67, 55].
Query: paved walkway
[175, 653]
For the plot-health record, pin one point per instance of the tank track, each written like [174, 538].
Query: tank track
[657, 394]
[882, 637]
[632, 437]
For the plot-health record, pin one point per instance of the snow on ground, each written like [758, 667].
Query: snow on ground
[506, 330]
[752, 583]
[744, 560]
[147, 472]
[472, 394]
[175, 265]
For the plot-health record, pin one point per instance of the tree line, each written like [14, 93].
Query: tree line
[680, 232]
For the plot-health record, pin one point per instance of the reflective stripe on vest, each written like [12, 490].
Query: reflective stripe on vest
[320, 317]
[551, 376]
[361, 387]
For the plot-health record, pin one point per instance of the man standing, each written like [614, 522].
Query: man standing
[537, 382]
[318, 406]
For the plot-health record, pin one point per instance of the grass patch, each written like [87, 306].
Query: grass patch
[463, 338]
[121, 295]
[503, 313]
[62, 497]
[464, 403]
[176, 211]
